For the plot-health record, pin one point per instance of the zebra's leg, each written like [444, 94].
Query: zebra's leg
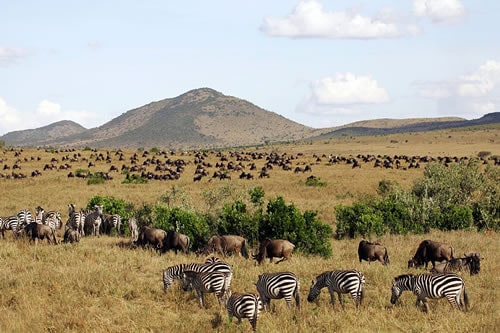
[201, 298]
[332, 296]
[340, 300]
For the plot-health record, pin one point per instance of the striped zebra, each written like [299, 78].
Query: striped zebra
[340, 282]
[278, 285]
[449, 285]
[133, 228]
[25, 217]
[51, 218]
[206, 282]
[93, 220]
[247, 305]
[111, 221]
[9, 223]
[177, 271]
[76, 219]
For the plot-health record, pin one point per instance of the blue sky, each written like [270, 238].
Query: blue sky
[319, 63]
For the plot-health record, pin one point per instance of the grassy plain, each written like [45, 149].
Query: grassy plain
[106, 285]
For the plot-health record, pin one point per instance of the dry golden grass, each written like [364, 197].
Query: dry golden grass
[106, 285]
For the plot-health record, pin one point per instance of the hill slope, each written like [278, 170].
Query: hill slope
[205, 118]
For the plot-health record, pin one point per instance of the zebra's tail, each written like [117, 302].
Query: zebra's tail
[253, 320]
[296, 294]
[244, 250]
[466, 300]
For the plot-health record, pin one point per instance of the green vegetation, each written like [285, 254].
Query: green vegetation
[455, 197]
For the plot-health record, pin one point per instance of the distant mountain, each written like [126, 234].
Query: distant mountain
[42, 135]
[205, 118]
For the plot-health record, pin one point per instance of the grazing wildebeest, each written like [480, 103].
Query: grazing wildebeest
[270, 248]
[431, 251]
[176, 241]
[40, 231]
[152, 236]
[372, 251]
[71, 236]
[225, 245]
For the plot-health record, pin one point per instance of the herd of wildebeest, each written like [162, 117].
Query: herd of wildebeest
[214, 275]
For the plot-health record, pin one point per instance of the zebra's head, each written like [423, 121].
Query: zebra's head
[316, 286]
[400, 283]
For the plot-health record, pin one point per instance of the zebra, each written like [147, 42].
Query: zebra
[176, 272]
[10, 223]
[132, 227]
[278, 285]
[449, 285]
[206, 282]
[111, 221]
[25, 217]
[244, 305]
[212, 260]
[340, 282]
[93, 219]
[76, 219]
[51, 218]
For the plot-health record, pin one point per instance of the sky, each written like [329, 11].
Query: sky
[319, 63]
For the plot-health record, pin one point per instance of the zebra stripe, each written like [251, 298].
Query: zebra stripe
[177, 271]
[206, 282]
[340, 282]
[10, 223]
[111, 221]
[93, 220]
[25, 217]
[75, 220]
[133, 228]
[51, 218]
[449, 285]
[246, 305]
[278, 285]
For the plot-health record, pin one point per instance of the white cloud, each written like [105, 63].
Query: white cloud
[9, 117]
[9, 55]
[439, 11]
[47, 108]
[473, 94]
[309, 19]
[348, 89]
[49, 112]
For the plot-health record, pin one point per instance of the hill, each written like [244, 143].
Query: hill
[205, 118]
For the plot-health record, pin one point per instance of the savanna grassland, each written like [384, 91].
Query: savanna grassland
[107, 285]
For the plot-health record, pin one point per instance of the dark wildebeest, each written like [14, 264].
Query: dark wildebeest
[176, 241]
[372, 251]
[152, 236]
[225, 245]
[270, 248]
[431, 251]
[71, 236]
[471, 262]
[40, 231]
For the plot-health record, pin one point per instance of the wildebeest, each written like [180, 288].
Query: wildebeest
[270, 248]
[152, 236]
[432, 251]
[225, 245]
[471, 262]
[176, 241]
[372, 251]
[71, 236]
[40, 231]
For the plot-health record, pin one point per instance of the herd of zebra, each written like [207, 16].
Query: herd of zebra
[79, 223]
[215, 275]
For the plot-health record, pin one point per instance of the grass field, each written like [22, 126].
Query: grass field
[106, 285]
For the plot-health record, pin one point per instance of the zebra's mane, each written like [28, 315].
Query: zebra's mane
[403, 276]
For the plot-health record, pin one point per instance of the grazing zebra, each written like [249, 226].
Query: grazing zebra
[132, 227]
[449, 285]
[25, 217]
[212, 260]
[10, 223]
[278, 285]
[246, 305]
[206, 282]
[177, 271]
[340, 282]
[93, 220]
[111, 221]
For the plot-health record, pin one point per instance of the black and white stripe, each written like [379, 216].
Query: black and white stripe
[111, 221]
[76, 219]
[449, 285]
[340, 282]
[25, 217]
[10, 223]
[51, 218]
[247, 305]
[133, 228]
[278, 285]
[93, 220]
[177, 272]
[206, 282]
